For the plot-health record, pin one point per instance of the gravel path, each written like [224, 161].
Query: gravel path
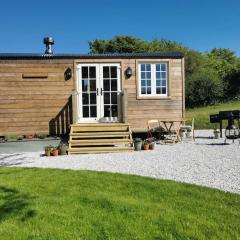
[206, 162]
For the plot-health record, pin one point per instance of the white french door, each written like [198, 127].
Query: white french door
[99, 91]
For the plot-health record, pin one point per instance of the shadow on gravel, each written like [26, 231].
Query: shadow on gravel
[204, 137]
[15, 204]
[18, 159]
[212, 144]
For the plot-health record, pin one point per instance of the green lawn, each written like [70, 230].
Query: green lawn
[63, 204]
[202, 114]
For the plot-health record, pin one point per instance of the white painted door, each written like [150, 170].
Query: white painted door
[99, 90]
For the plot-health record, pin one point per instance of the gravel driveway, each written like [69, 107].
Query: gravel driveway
[206, 162]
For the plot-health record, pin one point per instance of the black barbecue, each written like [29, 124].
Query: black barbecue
[231, 131]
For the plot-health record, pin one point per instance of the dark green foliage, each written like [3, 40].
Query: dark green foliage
[203, 88]
[216, 72]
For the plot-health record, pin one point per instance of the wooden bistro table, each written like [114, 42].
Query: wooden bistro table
[172, 128]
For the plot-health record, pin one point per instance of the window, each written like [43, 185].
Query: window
[153, 79]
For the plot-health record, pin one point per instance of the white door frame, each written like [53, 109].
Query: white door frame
[99, 88]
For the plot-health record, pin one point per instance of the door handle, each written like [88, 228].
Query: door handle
[101, 91]
[97, 91]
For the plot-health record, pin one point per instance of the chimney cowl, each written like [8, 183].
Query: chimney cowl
[48, 41]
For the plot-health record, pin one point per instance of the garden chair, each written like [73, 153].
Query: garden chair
[154, 128]
[189, 128]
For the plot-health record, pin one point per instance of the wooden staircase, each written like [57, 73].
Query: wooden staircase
[100, 138]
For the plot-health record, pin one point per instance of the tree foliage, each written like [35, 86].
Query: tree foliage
[210, 77]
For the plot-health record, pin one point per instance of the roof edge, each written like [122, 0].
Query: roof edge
[15, 56]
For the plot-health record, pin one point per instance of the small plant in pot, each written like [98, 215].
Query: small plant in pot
[146, 144]
[62, 148]
[216, 133]
[48, 150]
[188, 133]
[55, 152]
[137, 144]
[151, 143]
[183, 133]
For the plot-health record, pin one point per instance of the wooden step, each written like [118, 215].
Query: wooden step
[99, 150]
[101, 137]
[100, 142]
[88, 134]
[96, 128]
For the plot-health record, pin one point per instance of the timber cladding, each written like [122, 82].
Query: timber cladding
[35, 97]
[140, 110]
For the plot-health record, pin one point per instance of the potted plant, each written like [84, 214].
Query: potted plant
[216, 133]
[152, 145]
[55, 152]
[188, 133]
[182, 133]
[146, 144]
[137, 144]
[48, 150]
[62, 148]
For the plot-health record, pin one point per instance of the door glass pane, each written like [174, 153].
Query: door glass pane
[106, 98]
[92, 85]
[85, 98]
[92, 72]
[92, 98]
[106, 72]
[107, 110]
[93, 111]
[114, 110]
[114, 98]
[114, 85]
[84, 72]
[85, 111]
[106, 85]
[113, 72]
[84, 85]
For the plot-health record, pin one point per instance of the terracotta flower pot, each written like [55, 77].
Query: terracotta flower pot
[146, 146]
[151, 146]
[55, 152]
[48, 153]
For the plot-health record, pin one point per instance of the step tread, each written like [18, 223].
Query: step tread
[101, 141]
[99, 124]
[100, 149]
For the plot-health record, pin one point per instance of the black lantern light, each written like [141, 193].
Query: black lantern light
[68, 74]
[231, 131]
[128, 72]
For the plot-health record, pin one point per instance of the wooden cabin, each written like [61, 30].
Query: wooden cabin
[46, 93]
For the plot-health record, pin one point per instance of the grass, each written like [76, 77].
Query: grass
[63, 204]
[201, 114]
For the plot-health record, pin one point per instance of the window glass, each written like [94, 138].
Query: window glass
[153, 78]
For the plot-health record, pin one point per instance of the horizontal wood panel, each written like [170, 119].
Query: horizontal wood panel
[32, 105]
[48, 109]
[33, 96]
[24, 84]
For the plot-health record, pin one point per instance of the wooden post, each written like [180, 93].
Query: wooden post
[124, 105]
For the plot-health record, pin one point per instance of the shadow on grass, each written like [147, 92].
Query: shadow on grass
[14, 204]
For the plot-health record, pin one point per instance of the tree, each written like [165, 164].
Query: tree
[209, 76]
[203, 88]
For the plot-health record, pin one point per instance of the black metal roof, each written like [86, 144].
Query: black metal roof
[90, 56]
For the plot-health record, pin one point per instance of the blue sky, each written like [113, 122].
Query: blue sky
[201, 25]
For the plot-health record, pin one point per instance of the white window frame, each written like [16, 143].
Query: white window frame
[153, 80]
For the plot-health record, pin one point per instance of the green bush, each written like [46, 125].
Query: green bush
[203, 87]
